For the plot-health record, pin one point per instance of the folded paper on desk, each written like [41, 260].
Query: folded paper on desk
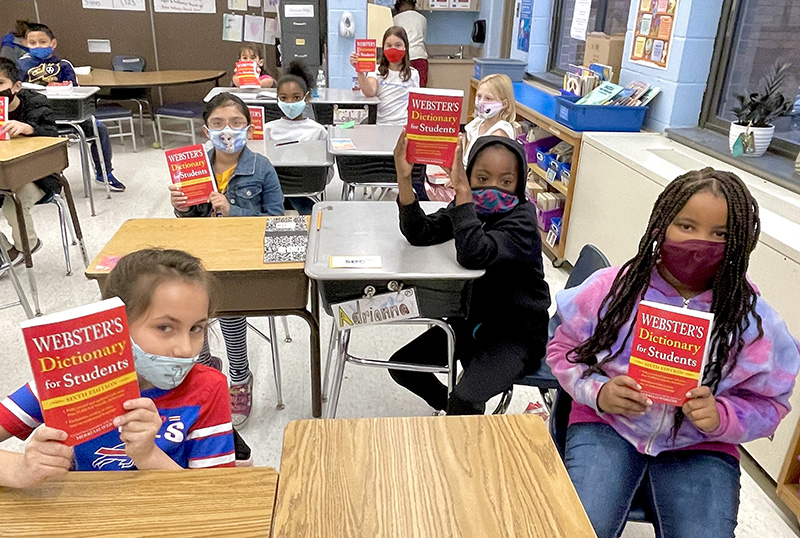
[355, 262]
[384, 308]
[285, 239]
[342, 143]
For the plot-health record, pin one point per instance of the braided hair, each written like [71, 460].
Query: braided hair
[734, 299]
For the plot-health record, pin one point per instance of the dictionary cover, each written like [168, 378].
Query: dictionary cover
[83, 367]
[257, 119]
[189, 168]
[4, 117]
[367, 52]
[670, 351]
[434, 120]
[246, 74]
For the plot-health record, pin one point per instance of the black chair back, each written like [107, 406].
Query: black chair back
[366, 169]
[126, 62]
[302, 180]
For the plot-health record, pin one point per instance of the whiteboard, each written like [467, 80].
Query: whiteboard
[185, 6]
[124, 5]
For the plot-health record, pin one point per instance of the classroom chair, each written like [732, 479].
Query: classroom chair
[113, 117]
[65, 225]
[303, 181]
[73, 131]
[22, 299]
[187, 111]
[139, 96]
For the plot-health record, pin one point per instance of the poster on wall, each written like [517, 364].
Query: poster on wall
[524, 30]
[232, 27]
[270, 6]
[652, 38]
[185, 6]
[122, 5]
[580, 19]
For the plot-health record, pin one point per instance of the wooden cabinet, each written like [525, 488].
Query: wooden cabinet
[452, 75]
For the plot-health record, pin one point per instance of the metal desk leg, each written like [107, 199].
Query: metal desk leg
[101, 156]
[26, 250]
[23, 299]
[85, 168]
[76, 225]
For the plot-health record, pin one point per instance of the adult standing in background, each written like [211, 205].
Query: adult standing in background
[14, 45]
[416, 26]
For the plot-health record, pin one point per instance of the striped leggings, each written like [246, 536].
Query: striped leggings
[234, 332]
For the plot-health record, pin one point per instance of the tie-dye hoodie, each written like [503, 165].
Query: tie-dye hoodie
[751, 399]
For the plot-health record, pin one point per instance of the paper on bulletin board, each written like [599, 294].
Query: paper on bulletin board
[232, 27]
[121, 5]
[580, 19]
[270, 6]
[185, 6]
[524, 28]
[271, 30]
[652, 38]
[237, 5]
[254, 29]
[254, 3]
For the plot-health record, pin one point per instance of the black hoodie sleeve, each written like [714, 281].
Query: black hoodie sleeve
[37, 113]
[513, 237]
[422, 230]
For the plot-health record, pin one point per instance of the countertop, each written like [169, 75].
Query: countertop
[439, 60]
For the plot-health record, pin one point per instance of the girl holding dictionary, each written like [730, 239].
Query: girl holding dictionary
[694, 254]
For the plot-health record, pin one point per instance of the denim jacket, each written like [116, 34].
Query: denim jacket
[254, 189]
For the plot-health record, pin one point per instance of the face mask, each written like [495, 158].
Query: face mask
[694, 262]
[228, 140]
[492, 201]
[7, 93]
[163, 372]
[41, 53]
[488, 109]
[292, 110]
[394, 55]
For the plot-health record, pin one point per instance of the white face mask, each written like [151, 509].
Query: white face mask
[163, 372]
[488, 109]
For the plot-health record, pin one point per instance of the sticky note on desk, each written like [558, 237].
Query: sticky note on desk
[348, 125]
[342, 143]
[355, 262]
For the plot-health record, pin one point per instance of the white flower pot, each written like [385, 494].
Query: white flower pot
[762, 137]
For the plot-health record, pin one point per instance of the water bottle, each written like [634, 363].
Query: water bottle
[321, 82]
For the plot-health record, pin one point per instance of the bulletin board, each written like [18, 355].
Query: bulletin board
[652, 39]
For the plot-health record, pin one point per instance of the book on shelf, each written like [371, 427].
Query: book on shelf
[367, 53]
[285, 239]
[246, 74]
[257, 120]
[669, 350]
[83, 367]
[4, 118]
[601, 95]
[434, 120]
[190, 168]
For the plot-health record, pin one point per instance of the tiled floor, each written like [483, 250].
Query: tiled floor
[366, 392]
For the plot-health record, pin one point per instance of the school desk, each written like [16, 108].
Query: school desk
[233, 250]
[71, 108]
[125, 504]
[106, 78]
[369, 140]
[303, 167]
[459, 477]
[24, 160]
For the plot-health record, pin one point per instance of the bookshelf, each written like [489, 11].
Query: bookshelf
[788, 480]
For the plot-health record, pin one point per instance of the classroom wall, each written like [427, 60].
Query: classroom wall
[492, 12]
[340, 72]
[540, 36]
[450, 28]
[12, 10]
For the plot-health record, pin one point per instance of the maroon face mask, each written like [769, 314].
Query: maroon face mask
[693, 262]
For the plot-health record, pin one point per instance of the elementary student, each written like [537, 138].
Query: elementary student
[249, 52]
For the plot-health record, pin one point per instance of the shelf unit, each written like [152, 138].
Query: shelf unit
[537, 106]
[789, 479]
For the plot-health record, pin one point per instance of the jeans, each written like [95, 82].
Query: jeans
[105, 143]
[694, 493]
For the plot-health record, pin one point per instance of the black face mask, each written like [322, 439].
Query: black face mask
[7, 93]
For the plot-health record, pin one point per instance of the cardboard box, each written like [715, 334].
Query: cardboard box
[605, 49]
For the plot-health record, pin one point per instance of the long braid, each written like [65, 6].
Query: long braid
[733, 298]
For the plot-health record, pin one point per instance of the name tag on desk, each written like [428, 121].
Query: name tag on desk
[355, 262]
[377, 309]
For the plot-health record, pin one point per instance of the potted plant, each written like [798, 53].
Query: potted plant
[756, 112]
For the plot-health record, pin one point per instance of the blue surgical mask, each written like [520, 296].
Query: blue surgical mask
[492, 201]
[41, 53]
[292, 110]
[228, 140]
[163, 372]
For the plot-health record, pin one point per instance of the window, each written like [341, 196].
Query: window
[609, 16]
[753, 35]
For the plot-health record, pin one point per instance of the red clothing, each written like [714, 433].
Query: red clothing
[421, 66]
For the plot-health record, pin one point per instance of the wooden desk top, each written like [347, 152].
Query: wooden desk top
[224, 244]
[121, 79]
[23, 146]
[470, 476]
[122, 504]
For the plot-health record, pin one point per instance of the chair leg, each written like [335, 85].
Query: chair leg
[160, 134]
[23, 299]
[286, 336]
[335, 386]
[133, 132]
[141, 121]
[276, 362]
[62, 221]
[328, 361]
[63, 205]
[191, 131]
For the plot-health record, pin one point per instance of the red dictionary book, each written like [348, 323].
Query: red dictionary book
[670, 351]
[367, 52]
[257, 119]
[434, 119]
[4, 117]
[83, 367]
[189, 168]
[246, 74]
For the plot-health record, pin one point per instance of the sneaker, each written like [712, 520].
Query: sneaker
[241, 401]
[244, 456]
[440, 413]
[17, 257]
[113, 183]
[215, 363]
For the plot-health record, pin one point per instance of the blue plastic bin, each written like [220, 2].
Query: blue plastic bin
[515, 69]
[627, 119]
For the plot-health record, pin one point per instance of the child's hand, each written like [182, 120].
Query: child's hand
[458, 174]
[220, 204]
[45, 457]
[622, 396]
[16, 128]
[235, 80]
[401, 164]
[177, 198]
[353, 59]
[701, 409]
[138, 428]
